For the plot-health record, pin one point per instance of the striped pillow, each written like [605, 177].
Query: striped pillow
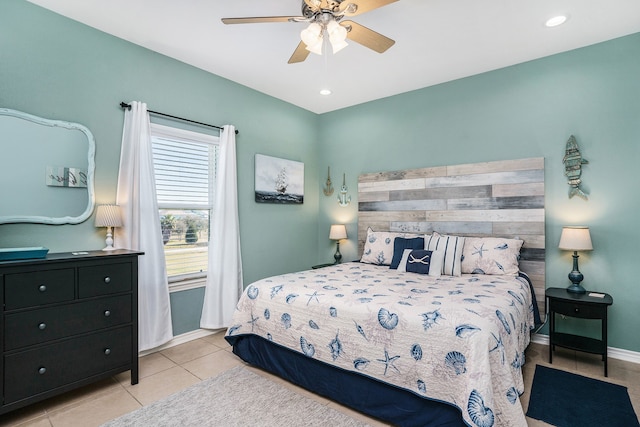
[452, 247]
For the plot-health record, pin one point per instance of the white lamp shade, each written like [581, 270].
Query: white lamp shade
[338, 232]
[575, 239]
[108, 216]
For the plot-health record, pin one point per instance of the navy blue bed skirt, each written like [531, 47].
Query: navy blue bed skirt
[367, 395]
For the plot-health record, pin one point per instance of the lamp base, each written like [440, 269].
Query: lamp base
[337, 256]
[109, 240]
[576, 289]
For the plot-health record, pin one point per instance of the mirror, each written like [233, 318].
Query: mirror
[47, 170]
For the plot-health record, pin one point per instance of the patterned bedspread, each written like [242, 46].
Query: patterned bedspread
[455, 339]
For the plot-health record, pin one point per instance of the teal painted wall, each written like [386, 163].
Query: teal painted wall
[56, 68]
[528, 110]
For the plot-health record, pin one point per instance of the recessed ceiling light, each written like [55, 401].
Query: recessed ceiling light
[556, 20]
[325, 92]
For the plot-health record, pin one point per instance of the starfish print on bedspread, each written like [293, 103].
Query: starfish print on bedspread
[388, 361]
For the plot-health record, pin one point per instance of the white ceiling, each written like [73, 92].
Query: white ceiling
[436, 40]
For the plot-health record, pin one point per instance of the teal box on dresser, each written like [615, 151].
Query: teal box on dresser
[67, 320]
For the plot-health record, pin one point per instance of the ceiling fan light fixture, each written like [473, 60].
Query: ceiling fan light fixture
[311, 34]
[316, 47]
[337, 36]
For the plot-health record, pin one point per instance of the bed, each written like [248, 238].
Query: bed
[430, 326]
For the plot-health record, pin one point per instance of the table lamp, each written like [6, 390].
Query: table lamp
[108, 216]
[337, 232]
[575, 239]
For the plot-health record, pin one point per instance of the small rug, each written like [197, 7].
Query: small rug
[235, 398]
[564, 399]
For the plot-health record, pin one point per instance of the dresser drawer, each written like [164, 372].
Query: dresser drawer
[42, 325]
[38, 288]
[584, 311]
[104, 279]
[31, 372]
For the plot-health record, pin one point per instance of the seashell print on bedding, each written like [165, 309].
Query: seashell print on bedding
[307, 348]
[361, 363]
[387, 319]
[416, 352]
[252, 292]
[466, 330]
[430, 318]
[456, 361]
[480, 414]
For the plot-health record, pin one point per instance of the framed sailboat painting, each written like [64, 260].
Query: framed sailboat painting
[279, 180]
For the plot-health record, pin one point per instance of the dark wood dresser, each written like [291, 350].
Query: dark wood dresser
[67, 320]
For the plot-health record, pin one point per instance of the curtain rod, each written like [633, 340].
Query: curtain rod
[128, 107]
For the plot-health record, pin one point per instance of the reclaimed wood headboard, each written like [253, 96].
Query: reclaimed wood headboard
[501, 199]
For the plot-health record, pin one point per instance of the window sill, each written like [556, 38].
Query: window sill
[186, 284]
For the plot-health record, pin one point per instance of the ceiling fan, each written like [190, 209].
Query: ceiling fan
[325, 18]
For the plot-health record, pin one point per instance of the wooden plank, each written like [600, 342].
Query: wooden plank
[403, 205]
[393, 216]
[404, 184]
[523, 202]
[404, 174]
[442, 193]
[373, 196]
[531, 254]
[513, 228]
[517, 177]
[456, 228]
[503, 215]
[497, 166]
[509, 190]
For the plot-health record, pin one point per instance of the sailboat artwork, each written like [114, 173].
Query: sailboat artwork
[279, 180]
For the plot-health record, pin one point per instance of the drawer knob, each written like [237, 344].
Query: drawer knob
[42, 326]
[107, 351]
[577, 310]
[42, 370]
[107, 279]
[107, 313]
[42, 288]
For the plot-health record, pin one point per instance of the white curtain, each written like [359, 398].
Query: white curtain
[141, 231]
[224, 277]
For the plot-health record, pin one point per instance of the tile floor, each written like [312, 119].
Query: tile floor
[176, 368]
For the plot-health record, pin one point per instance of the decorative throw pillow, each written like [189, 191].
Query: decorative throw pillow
[378, 246]
[452, 247]
[491, 255]
[421, 261]
[400, 244]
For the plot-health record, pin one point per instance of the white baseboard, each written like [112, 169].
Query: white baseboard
[181, 339]
[612, 352]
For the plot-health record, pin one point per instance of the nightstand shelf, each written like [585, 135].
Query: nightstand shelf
[582, 306]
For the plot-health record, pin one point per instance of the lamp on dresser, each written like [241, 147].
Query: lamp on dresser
[108, 216]
[575, 239]
[337, 233]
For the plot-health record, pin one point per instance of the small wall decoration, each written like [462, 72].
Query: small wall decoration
[573, 162]
[328, 189]
[343, 199]
[60, 176]
[279, 180]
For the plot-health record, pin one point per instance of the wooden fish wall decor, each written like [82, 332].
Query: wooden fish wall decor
[573, 162]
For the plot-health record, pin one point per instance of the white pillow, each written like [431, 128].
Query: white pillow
[378, 246]
[435, 264]
[491, 255]
[452, 247]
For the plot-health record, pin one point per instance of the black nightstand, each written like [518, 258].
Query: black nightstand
[581, 306]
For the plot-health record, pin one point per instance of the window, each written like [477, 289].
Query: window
[184, 164]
